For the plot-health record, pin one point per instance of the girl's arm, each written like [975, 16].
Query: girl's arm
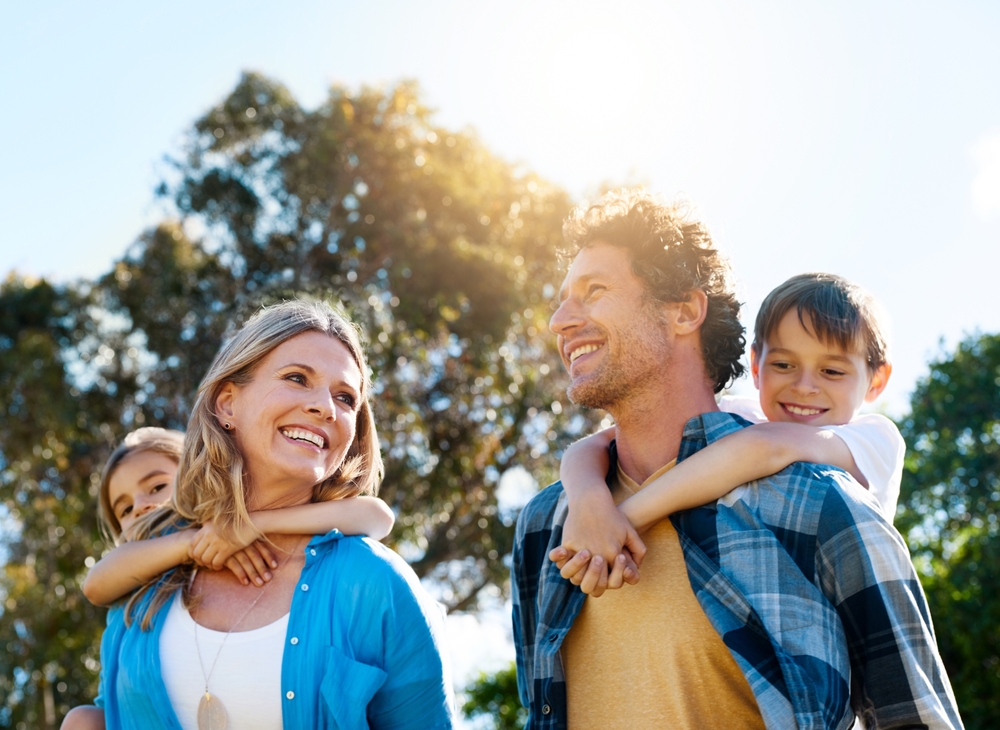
[353, 516]
[749, 454]
[132, 564]
[594, 524]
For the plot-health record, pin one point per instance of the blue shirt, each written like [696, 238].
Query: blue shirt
[811, 590]
[363, 649]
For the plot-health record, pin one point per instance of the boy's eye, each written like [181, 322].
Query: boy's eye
[781, 365]
[833, 373]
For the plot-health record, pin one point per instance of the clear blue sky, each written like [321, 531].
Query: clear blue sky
[854, 137]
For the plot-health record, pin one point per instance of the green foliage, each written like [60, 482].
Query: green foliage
[495, 696]
[951, 491]
[442, 252]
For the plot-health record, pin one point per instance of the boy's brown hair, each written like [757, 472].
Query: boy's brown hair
[832, 309]
[158, 440]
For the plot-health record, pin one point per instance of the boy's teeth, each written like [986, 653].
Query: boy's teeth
[303, 435]
[803, 411]
[585, 350]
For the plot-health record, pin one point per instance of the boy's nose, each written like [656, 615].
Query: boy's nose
[806, 384]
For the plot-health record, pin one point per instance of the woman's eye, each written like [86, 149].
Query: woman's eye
[296, 378]
[347, 399]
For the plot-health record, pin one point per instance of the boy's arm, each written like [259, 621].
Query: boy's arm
[353, 516]
[741, 457]
[133, 564]
[594, 523]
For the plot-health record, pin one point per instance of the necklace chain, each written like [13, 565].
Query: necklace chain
[197, 646]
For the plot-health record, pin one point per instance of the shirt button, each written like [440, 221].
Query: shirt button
[295, 640]
[553, 636]
[305, 586]
[291, 695]
[545, 708]
[312, 551]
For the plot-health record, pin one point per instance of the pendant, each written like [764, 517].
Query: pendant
[211, 713]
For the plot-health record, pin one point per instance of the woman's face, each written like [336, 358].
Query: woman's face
[141, 482]
[295, 420]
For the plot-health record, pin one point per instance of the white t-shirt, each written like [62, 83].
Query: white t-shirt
[874, 441]
[246, 677]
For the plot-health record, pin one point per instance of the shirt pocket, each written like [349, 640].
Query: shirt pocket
[347, 687]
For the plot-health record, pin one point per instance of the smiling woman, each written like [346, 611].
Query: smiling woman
[343, 635]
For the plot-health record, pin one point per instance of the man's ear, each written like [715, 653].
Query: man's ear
[880, 379]
[224, 403]
[755, 367]
[689, 315]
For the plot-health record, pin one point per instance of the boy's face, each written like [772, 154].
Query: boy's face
[141, 482]
[804, 380]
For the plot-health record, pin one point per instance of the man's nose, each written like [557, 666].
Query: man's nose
[566, 317]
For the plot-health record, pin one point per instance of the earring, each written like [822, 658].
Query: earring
[228, 426]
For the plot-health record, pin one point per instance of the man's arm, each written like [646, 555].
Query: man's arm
[898, 679]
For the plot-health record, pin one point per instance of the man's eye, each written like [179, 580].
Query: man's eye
[595, 289]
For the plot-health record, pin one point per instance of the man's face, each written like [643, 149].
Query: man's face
[611, 339]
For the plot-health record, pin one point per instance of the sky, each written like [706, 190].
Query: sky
[854, 137]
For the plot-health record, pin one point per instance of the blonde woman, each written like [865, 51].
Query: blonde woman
[343, 635]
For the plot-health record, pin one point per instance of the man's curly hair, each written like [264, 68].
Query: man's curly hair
[673, 254]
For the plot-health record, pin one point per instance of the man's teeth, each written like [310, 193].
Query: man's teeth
[303, 435]
[803, 411]
[580, 351]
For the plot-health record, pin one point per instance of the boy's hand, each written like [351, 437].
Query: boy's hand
[591, 574]
[211, 549]
[251, 564]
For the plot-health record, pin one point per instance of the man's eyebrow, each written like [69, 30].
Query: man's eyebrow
[581, 281]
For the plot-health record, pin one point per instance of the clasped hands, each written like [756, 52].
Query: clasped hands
[248, 558]
[600, 547]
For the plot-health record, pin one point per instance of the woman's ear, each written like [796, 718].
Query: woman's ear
[880, 379]
[224, 405]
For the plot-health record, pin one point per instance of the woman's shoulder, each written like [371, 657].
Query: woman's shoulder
[363, 559]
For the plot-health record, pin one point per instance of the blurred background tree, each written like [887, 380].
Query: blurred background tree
[493, 698]
[951, 493]
[443, 253]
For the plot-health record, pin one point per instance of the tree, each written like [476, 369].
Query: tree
[495, 696]
[951, 491]
[444, 254]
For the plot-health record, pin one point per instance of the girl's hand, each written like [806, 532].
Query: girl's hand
[211, 549]
[591, 574]
[251, 564]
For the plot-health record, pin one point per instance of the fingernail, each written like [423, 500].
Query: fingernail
[598, 560]
[585, 554]
[258, 581]
[267, 576]
[274, 563]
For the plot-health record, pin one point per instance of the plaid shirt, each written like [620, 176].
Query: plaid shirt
[810, 588]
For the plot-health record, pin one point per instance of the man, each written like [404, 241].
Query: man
[789, 603]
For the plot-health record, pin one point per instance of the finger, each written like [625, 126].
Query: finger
[259, 566]
[265, 551]
[248, 567]
[636, 546]
[234, 566]
[596, 577]
[574, 565]
[559, 554]
[617, 577]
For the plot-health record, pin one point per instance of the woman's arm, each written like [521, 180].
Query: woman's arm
[133, 564]
[740, 457]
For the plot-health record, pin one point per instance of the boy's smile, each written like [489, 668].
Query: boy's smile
[804, 380]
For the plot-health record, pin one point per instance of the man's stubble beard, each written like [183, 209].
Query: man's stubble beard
[625, 375]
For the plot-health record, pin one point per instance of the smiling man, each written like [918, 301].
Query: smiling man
[788, 603]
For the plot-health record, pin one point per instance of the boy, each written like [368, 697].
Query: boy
[819, 353]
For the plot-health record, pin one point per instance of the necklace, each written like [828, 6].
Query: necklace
[211, 712]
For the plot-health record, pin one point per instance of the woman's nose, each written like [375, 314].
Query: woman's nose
[324, 407]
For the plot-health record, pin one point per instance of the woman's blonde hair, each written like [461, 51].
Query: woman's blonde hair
[143, 440]
[211, 481]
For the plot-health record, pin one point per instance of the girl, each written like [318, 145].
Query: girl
[139, 477]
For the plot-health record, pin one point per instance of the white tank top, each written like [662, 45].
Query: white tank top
[246, 678]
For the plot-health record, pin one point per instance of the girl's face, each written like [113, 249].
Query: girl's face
[141, 482]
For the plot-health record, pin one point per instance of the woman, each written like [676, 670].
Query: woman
[343, 636]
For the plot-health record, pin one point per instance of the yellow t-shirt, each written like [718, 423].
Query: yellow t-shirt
[646, 656]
